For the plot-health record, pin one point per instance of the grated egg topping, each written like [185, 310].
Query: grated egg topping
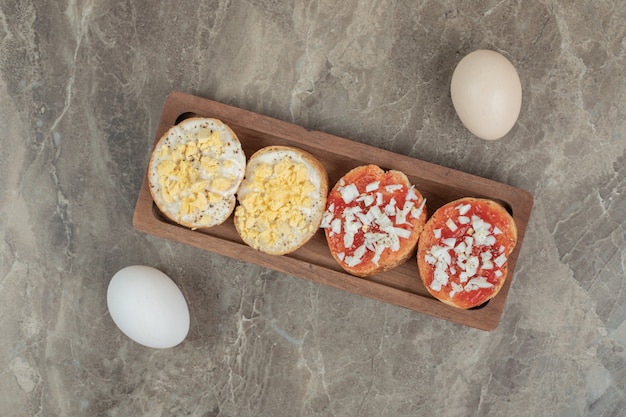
[278, 200]
[195, 172]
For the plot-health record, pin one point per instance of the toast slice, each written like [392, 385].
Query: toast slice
[194, 171]
[463, 251]
[373, 220]
[281, 200]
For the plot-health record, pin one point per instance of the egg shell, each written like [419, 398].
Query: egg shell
[486, 93]
[148, 307]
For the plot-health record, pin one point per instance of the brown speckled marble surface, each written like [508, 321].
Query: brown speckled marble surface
[82, 84]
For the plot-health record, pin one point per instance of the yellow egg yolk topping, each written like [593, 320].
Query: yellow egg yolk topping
[277, 203]
[189, 174]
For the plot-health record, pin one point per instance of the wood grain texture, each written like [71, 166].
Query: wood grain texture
[401, 286]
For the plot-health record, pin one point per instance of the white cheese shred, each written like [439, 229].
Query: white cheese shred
[417, 212]
[349, 193]
[393, 187]
[476, 283]
[463, 209]
[402, 233]
[356, 257]
[500, 260]
[449, 242]
[372, 186]
[451, 225]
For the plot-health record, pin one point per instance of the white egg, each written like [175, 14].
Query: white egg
[148, 307]
[486, 93]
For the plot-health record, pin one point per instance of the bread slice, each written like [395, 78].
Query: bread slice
[194, 171]
[281, 200]
[463, 251]
[373, 220]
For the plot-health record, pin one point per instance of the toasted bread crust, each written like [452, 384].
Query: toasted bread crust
[489, 247]
[230, 164]
[379, 256]
[269, 223]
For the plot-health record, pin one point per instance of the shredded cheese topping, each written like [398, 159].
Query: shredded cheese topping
[471, 253]
[381, 224]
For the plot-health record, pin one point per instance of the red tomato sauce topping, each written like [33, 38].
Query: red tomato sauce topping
[367, 213]
[469, 252]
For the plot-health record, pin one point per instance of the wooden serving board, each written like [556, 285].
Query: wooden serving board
[401, 286]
